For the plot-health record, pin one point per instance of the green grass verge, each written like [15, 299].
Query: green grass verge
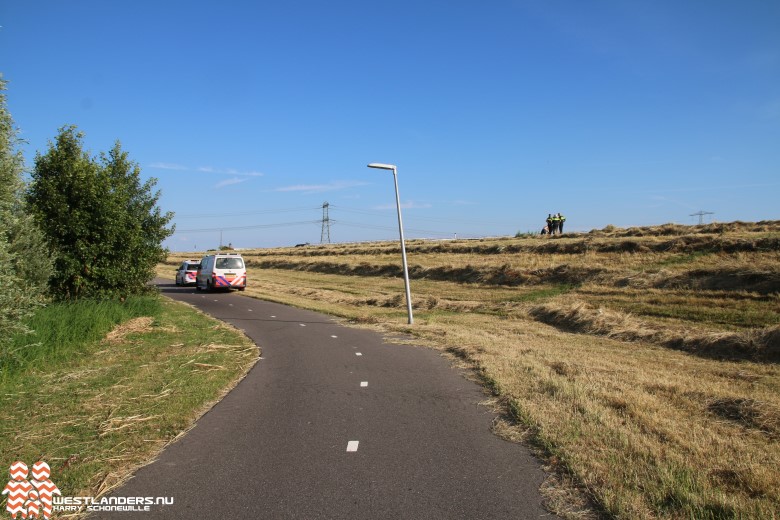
[101, 387]
[61, 331]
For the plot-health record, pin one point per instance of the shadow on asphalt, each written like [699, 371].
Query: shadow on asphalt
[172, 288]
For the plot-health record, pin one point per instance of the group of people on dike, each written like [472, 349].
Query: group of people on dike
[554, 224]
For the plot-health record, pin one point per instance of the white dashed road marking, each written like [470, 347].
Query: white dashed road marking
[302, 324]
[363, 384]
[358, 354]
[334, 336]
[273, 316]
[352, 445]
[250, 310]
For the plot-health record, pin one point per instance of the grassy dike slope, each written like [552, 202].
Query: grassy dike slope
[101, 387]
[643, 363]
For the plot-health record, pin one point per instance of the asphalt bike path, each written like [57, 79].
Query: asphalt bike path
[333, 422]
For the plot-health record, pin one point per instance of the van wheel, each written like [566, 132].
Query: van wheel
[197, 286]
[208, 286]
[242, 288]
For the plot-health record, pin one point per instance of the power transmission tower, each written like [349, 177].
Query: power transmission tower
[701, 214]
[325, 234]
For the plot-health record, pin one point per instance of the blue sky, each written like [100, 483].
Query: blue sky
[252, 114]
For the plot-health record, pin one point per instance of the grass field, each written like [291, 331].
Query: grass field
[101, 387]
[641, 363]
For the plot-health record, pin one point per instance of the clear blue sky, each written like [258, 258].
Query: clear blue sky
[496, 113]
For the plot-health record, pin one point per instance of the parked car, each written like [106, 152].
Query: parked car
[221, 271]
[187, 271]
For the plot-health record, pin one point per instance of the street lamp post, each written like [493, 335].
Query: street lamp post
[401, 232]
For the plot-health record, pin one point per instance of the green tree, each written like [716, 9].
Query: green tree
[25, 262]
[103, 223]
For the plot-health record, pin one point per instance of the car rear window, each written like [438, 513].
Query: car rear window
[229, 263]
[193, 267]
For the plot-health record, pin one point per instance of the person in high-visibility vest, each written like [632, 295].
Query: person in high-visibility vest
[561, 220]
[556, 222]
[549, 224]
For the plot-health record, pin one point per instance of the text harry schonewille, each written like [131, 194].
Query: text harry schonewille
[127, 504]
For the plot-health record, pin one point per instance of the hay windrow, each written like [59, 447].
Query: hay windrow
[503, 275]
[763, 281]
[755, 345]
[749, 413]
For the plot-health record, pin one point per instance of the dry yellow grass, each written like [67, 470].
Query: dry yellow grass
[647, 431]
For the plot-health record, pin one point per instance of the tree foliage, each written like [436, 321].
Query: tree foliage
[25, 261]
[102, 221]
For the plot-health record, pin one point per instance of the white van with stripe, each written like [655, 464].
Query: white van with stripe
[221, 271]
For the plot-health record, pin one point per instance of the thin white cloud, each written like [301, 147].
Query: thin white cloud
[167, 166]
[228, 171]
[231, 181]
[204, 169]
[463, 203]
[410, 204]
[320, 188]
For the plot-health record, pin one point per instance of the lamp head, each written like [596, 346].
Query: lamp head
[382, 166]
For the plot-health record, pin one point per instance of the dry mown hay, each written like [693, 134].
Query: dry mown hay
[750, 413]
[502, 275]
[757, 345]
[136, 325]
[678, 229]
[762, 281]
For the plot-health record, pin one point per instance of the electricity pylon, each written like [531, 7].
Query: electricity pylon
[325, 234]
[701, 214]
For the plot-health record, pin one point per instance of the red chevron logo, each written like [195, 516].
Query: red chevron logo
[46, 486]
[41, 470]
[19, 470]
[28, 498]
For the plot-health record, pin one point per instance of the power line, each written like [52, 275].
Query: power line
[325, 222]
[243, 213]
[416, 217]
[239, 228]
[390, 228]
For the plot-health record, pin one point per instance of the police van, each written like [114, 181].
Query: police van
[221, 271]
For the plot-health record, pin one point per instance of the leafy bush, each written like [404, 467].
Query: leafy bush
[24, 259]
[101, 220]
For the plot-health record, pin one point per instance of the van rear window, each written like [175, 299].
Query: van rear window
[229, 263]
[193, 267]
